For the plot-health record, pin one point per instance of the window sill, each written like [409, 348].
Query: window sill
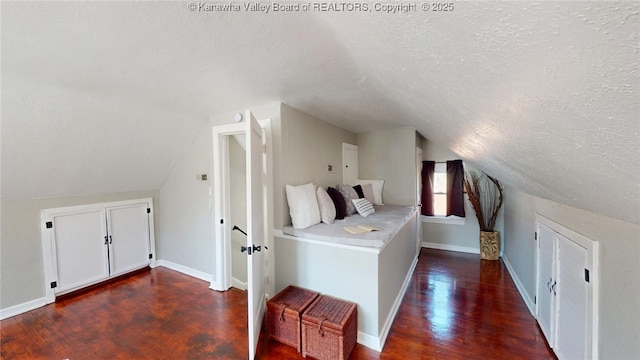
[451, 220]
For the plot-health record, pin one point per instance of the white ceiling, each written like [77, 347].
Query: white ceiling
[106, 96]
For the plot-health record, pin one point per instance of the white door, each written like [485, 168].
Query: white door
[128, 230]
[80, 256]
[349, 164]
[573, 293]
[545, 286]
[255, 231]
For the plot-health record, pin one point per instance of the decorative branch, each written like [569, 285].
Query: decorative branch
[485, 196]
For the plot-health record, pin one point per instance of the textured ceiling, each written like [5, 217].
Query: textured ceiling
[106, 96]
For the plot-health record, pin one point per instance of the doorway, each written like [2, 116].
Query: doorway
[258, 246]
[238, 209]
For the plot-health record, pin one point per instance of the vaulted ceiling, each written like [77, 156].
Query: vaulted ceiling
[106, 96]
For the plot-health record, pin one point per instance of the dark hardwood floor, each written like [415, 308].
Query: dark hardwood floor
[456, 307]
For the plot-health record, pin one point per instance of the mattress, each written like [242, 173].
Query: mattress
[388, 218]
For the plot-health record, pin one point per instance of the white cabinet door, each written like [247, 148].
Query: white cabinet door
[80, 256]
[572, 296]
[545, 294]
[566, 287]
[128, 228]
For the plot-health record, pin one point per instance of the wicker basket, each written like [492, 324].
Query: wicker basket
[329, 328]
[284, 312]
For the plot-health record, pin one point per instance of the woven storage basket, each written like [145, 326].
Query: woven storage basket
[284, 312]
[329, 329]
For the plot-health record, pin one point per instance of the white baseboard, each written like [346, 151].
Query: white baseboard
[22, 308]
[396, 304]
[527, 299]
[185, 270]
[238, 284]
[377, 343]
[464, 249]
[370, 341]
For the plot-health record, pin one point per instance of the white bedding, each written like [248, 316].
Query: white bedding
[388, 218]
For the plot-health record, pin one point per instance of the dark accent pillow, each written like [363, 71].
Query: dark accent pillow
[338, 201]
[358, 190]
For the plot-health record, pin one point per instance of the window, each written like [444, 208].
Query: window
[440, 189]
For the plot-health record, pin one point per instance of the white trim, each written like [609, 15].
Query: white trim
[22, 308]
[221, 231]
[48, 256]
[370, 341]
[67, 210]
[152, 234]
[238, 284]
[377, 342]
[523, 293]
[185, 270]
[457, 248]
[280, 234]
[439, 219]
[396, 304]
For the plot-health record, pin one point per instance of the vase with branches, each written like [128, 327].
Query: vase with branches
[485, 194]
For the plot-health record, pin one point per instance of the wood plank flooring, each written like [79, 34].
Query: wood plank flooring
[456, 307]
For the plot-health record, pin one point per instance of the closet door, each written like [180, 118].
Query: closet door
[349, 164]
[128, 228]
[80, 256]
[572, 296]
[545, 294]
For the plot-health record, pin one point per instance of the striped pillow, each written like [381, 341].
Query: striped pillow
[363, 206]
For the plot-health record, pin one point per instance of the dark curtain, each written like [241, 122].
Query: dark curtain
[455, 188]
[428, 168]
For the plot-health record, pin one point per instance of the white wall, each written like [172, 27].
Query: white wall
[308, 146]
[21, 263]
[389, 155]
[619, 293]
[454, 236]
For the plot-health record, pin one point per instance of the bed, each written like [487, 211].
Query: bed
[371, 269]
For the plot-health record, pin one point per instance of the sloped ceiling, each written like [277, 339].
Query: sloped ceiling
[106, 96]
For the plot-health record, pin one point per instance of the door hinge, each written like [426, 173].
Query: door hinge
[535, 235]
[150, 256]
[535, 299]
[586, 275]
[49, 224]
[221, 221]
[148, 210]
[54, 284]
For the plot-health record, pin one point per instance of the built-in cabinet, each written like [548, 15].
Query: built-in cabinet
[84, 245]
[566, 295]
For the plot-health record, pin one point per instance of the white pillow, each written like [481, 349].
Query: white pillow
[303, 205]
[327, 208]
[377, 189]
[364, 207]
